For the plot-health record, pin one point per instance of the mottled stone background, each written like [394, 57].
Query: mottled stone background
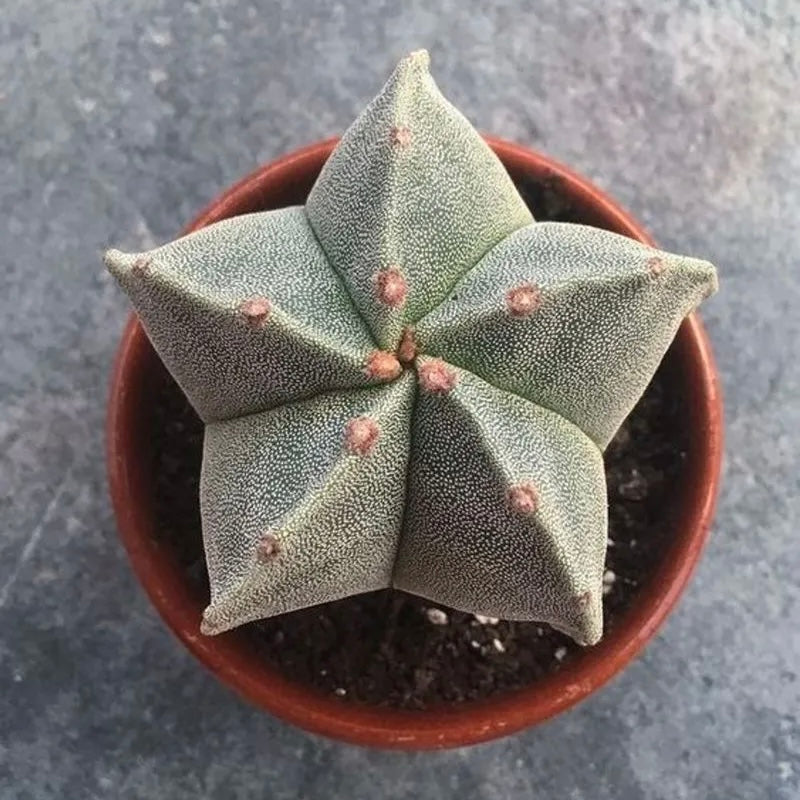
[118, 120]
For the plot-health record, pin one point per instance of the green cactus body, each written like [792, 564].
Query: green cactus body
[408, 382]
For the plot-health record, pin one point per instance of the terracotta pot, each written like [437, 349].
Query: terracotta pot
[287, 181]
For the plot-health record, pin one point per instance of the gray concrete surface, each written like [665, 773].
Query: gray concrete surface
[119, 120]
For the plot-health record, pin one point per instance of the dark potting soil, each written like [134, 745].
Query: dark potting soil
[394, 649]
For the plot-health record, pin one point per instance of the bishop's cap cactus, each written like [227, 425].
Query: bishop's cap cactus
[408, 382]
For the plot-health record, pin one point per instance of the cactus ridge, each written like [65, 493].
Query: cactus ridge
[408, 382]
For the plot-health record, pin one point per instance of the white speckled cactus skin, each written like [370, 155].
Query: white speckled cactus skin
[408, 382]
[411, 186]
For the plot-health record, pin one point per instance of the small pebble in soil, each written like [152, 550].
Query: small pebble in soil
[481, 620]
[498, 645]
[560, 654]
[436, 616]
[635, 487]
[609, 577]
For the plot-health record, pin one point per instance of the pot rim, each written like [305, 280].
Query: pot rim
[228, 657]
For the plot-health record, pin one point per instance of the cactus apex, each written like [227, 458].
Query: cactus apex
[523, 498]
[210, 624]
[407, 349]
[523, 300]
[268, 548]
[418, 58]
[122, 265]
[382, 365]
[256, 311]
[361, 434]
[416, 63]
[588, 628]
[391, 287]
[437, 377]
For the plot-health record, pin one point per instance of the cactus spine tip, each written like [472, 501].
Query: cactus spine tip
[361, 434]
[400, 137]
[524, 498]
[268, 548]
[256, 311]
[391, 287]
[382, 366]
[523, 300]
[436, 377]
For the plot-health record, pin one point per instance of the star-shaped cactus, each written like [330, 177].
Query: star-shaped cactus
[408, 382]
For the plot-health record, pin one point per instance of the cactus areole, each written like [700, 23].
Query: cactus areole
[409, 382]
